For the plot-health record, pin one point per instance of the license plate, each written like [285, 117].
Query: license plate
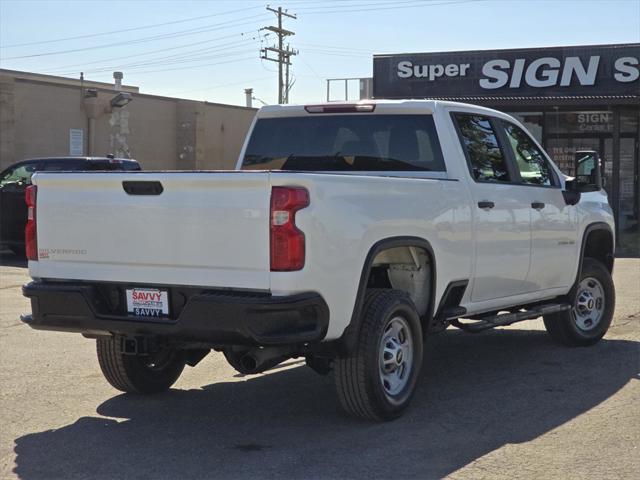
[148, 302]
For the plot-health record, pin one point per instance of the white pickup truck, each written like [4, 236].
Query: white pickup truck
[347, 234]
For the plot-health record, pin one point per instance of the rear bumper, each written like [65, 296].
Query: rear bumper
[216, 318]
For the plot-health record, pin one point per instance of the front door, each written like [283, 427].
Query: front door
[553, 222]
[501, 212]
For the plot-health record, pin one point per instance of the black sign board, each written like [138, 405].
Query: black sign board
[531, 72]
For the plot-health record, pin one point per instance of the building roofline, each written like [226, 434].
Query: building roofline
[38, 78]
[59, 80]
[541, 102]
[500, 50]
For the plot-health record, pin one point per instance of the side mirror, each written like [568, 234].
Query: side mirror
[571, 193]
[587, 167]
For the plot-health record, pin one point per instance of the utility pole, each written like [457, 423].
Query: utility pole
[284, 54]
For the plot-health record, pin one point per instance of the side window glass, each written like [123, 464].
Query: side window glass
[533, 166]
[486, 160]
[21, 174]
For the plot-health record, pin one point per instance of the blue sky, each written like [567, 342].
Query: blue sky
[214, 58]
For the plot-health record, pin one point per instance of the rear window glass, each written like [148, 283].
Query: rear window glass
[357, 142]
[113, 165]
[63, 165]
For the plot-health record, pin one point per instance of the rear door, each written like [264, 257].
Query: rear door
[553, 222]
[167, 228]
[501, 212]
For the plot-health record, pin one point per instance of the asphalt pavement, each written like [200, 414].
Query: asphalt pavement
[505, 404]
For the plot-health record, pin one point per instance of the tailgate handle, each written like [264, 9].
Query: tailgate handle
[142, 187]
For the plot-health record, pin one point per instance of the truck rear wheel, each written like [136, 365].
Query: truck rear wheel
[593, 300]
[151, 373]
[377, 380]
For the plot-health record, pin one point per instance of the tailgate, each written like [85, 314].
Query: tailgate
[204, 229]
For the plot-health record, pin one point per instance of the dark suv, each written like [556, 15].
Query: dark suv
[15, 179]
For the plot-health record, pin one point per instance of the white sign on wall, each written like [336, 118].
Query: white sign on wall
[76, 142]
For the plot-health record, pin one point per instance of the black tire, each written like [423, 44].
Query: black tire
[361, 390]
[563, 327]
[138, 373]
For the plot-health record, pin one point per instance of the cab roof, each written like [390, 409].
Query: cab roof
[377, 106]
[89, 159]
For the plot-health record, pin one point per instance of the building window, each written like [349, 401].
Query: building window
[629, 121]
[563, 151]
[595, 121]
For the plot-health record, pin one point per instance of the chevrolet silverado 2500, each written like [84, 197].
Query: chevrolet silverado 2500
[347, 234]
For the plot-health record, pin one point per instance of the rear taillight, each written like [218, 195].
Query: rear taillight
[287, 242]
[30, 233]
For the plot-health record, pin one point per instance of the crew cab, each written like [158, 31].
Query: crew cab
[346, 235]
[15, 179]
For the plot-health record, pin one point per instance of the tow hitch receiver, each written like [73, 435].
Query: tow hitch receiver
[134, 345]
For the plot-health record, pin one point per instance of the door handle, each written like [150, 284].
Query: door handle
[145, 187]
[485, 204]
[537, 205]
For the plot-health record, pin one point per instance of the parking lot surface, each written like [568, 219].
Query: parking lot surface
[502, 404]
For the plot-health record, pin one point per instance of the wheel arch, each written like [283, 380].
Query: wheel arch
[598, 243]
[351, 332]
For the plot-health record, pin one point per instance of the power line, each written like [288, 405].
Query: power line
[176, 61]
[218, 26]
[185, 64]
[336, 47]
[244, 59]
[243, 82]
[336, 54]
[392, 6]
[190, 54]
[262, 64]
[311, 69]
[149, 52]
[359, 5]
[172, 59]
[143, 27]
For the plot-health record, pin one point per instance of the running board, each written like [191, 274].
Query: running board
[505, 319]
[451, 313]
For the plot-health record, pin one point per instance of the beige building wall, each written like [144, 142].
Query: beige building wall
[151, 137]
[7, 120]
[218, 125]
[43, 115]
[37, 112]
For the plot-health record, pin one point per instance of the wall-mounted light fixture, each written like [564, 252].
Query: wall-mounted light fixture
[121, 99]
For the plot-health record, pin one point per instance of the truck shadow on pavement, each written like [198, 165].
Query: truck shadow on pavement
[477, 393]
